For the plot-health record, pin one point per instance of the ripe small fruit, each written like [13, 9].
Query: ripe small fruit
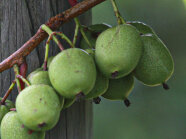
[39, 77]
[38, 107]
[118, 51]
[5, 108]
[120, 89]
[12, 128]
[72, 72]
[156, 64]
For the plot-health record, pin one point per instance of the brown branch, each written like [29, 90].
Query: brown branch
[54, 23]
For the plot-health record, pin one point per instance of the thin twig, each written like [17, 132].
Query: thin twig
[8, 92]
[120, 19]
[16, 71]
[82, 32]
[76, 34]
[23, 79]
[63, 36]
[47, 51]
[52, 34]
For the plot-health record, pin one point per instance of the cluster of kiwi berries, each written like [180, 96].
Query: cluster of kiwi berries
[104, 66]
[124, 52]
[107, 69]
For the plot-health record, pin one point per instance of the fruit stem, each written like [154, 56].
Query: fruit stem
[23, 79]
[82, 31]
[120, 19]
[76, 33]
[8, 92]
[16, 71]
[47, 51]
[51, 33]
[78, 26]
[63, 36]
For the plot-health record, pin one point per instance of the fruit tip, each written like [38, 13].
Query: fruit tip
[97, 100]
[165, 86]
[127, 102]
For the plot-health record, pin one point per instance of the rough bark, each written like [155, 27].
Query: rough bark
[20, 20]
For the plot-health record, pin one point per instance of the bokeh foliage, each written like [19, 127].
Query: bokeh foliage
[154, 113]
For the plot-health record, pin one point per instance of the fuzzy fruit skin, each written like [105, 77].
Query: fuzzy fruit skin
[118, 49]
[40, 77]
[68, 103]
[142, 27]
[91, 52]
[156, 64]
[120, 89]
[33, 73]
[12, 128]
[100, 86]
[72, 72]
[38, 104]
[4, 109]
[92, 33]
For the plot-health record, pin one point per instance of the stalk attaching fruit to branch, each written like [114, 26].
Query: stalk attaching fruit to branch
[16, 71]
[23, 79]
[52, 34]
[120, 19]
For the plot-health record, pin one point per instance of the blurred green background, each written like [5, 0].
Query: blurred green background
[154, 113]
